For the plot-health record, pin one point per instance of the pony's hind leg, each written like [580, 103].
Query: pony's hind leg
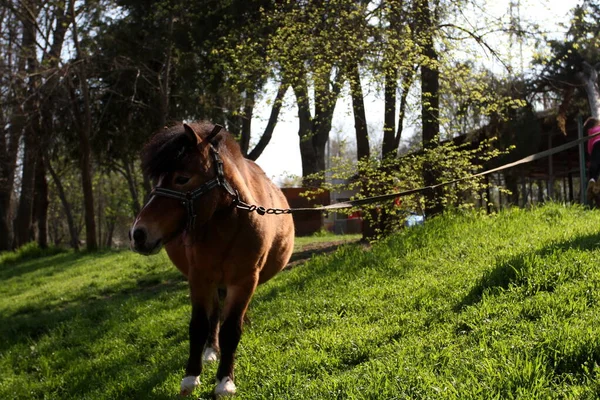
[236, 302]
[211, 351]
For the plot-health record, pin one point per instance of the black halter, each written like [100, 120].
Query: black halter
[187, 198]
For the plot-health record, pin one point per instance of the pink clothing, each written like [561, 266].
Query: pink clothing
[594, 140]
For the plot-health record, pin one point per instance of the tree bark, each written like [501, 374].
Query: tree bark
[12, 127]
[245, 123]
[314, 132]
[8, 163]
[48, 97]
[41, 202]
[164, 78]
[389, 148]
[305, 131]
[430, 112]
[66, 206]
[84, 120]
[23, 219]
[408, 78]
[132, 184]
[360, 119]
[371, 216]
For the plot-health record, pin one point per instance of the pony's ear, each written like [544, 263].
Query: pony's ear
[213, 133]
[191, 134]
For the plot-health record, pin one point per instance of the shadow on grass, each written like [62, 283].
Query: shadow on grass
[507, 271]
[73, 332]
[32, 322]
[51, 264]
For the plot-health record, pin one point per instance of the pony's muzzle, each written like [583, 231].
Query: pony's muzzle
[139, 235]
[139, 242]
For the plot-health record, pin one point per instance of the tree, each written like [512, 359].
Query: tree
[13, 64]
[569, 75]
[43, 28]
[78, 81]
[22, 225]
[312, 49]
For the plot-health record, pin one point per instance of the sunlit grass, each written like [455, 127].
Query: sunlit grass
[466, 307]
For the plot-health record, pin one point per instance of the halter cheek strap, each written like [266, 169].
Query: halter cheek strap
[188, 198]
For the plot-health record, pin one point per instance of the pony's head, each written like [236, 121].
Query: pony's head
[182, 162]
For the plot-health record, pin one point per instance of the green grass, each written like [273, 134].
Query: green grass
[466, 307]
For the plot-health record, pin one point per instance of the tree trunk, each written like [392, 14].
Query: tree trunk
[389, 148]
[268, 133]
[133, 190]
[48, 95]
[84, 120]
[363, 151]
[164, 78]
[41, 202]
[23, 219]
[360, 119]
[66, 206]
[86, 183]
[314, 132]
[8, 160]
[110, 229]
[99, 200]
[245, 123]
[305, 131]
[10, 137]
[512, 184]
[430, 84]
[408, 77]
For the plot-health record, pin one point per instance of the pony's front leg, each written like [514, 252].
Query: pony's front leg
[236, 302]
[202, 297]
[211, 351]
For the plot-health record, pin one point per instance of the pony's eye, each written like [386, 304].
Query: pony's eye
[181, 180]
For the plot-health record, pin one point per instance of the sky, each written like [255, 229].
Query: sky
[281, 157]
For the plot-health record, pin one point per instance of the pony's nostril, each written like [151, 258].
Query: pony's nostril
[139, 235]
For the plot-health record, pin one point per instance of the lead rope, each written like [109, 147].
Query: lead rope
[376, 199]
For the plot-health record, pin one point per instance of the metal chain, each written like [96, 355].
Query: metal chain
[259, 209]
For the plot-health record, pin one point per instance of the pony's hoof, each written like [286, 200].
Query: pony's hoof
[209, 355]
[225, 388]
[188, 384]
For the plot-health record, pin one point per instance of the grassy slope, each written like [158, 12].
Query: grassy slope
[466, 307]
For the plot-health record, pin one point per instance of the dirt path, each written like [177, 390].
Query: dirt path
[308, 250]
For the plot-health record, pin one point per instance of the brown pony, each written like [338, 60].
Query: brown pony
[201, 178]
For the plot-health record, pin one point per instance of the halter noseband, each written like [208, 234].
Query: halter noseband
[187, 198]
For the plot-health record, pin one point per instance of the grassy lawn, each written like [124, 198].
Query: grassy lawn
[466, 307]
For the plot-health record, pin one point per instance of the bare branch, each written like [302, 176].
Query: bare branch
[479, 39]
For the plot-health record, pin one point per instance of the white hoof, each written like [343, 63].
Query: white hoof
[225, 388]
[209, 355]
[188, 384]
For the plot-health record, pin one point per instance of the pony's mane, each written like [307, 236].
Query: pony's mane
[170, 148]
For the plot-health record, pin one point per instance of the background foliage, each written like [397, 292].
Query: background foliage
[83, 85]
